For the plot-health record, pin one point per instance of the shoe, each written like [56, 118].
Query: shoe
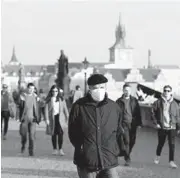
[127, 163]
[22, 149]
[172, 164]
[61, 153]
[55, 152]
[4, 137]
[156, 160]
[31, 154]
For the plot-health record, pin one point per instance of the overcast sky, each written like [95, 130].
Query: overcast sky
[39, 29]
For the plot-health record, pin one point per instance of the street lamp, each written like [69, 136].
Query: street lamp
[85, 64]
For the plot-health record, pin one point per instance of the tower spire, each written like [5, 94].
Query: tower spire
[149, 59]
[13, 60]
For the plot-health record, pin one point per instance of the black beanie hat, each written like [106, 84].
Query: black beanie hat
[96, 79]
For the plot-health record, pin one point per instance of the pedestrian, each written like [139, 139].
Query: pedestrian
[131, 120]
[6, 101]
[77, 94]
[28, 112]
[42, 102]
[56, 115]
[165, 114]
[94, 126]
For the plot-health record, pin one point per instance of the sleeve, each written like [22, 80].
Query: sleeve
[46, 115]
[138, 113]
[120, 129]
[65, 110]
[153, 113]
[178, 117]
[74, 126]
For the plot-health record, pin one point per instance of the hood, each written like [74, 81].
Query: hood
[165, 100]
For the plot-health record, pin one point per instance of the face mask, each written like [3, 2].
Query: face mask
[98, 94]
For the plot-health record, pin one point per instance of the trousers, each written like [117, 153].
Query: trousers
[5, 117]
[162, 134]
[129, 138]
[107, 173]
[28, 128]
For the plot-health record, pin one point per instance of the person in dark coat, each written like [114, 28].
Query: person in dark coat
[6, 101]
[94, 127]
[131, 120]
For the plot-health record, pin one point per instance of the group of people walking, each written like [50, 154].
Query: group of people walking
[100, 129]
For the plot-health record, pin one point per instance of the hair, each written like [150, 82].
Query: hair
[49, 96]
[167, 86]
[41, 91]
[77, 87]
[30, 85]
[126, 85]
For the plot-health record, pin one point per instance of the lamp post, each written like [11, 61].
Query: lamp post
[85, 64]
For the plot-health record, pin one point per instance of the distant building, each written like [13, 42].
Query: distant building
[119, 69]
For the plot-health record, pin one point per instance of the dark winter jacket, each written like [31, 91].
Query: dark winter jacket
[93, 131]
[135, 110]
[157, 114]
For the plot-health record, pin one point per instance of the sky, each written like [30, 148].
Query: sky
[40, 29]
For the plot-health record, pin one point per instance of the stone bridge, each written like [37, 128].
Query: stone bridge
[45, 165]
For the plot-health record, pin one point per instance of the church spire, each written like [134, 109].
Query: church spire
[149, 59]
[14, 60]
[120, 33]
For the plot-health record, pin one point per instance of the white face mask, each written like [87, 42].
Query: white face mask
[98, 94]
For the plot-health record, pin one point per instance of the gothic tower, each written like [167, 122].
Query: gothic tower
[120, 53]
[13, 60]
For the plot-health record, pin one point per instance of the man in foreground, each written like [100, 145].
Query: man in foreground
[94, 126]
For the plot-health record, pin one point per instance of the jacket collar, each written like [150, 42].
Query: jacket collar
[122, 97]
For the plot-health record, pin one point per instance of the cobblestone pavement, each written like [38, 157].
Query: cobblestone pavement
[45, 165]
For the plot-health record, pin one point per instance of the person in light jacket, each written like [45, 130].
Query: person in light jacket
[56, 116]
[165, 115]
[28, 112]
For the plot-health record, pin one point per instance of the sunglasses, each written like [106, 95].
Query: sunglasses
[167, 91]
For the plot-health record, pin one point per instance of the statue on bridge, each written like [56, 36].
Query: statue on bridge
[63, 80]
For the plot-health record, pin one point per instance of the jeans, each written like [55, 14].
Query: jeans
[58, 132]
[60, 141]
[107, 173]
[129, 138]
[162, 134]
[5, 117]
[30, 128]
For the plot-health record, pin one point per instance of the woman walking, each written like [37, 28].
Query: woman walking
[56, 114]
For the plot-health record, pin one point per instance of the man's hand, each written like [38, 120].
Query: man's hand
[47, 122]
[158, 126]
[178, 132]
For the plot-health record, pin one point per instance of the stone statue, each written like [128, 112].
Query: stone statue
[63, 79]
[21, 81]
